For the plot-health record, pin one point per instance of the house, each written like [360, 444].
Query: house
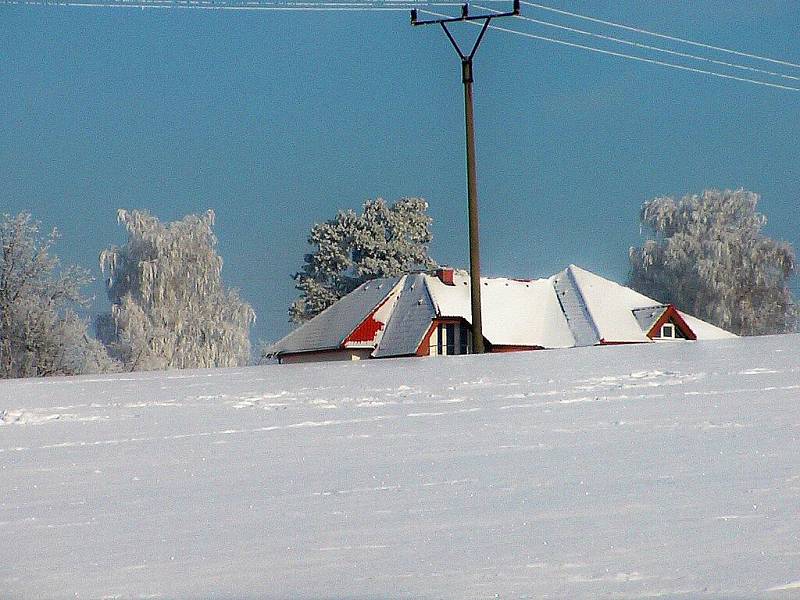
[424, 314]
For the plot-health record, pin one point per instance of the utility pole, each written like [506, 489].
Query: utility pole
[472, 176]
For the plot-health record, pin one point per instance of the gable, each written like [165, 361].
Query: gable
[672, 316]
[370, 331]
[329, 329]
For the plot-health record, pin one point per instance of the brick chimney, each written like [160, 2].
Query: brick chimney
[445, 275]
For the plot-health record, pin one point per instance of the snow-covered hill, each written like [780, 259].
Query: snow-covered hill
[630, 471]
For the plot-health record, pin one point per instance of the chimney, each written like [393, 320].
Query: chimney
[445, 275]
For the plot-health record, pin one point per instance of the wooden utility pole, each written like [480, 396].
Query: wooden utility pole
[472, 175]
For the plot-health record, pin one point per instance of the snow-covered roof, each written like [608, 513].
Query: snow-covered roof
[329, 329]
[705, 331]
[409, 321]
[572, 308]
[610, 306]
[648, 316]
[576, 314]
[515, 312]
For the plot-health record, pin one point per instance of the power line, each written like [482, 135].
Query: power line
[249, 6]
[245, 4]
[636, 58]
[404, 5]
[660, 35]
[653, 48]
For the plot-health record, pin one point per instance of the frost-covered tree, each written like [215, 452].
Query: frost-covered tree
[40, 332]
[169, 308]
[709, 257]
[383, 241]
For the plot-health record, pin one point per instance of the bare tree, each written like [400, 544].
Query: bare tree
[169, 306]
[709, 257]
[40, 332]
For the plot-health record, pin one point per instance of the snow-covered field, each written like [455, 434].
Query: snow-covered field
[623, 472]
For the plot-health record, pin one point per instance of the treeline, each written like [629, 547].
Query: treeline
[705, 253]
[169, 308]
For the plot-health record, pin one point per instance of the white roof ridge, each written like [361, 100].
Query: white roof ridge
[573, 267]
[436, 307]
[377, 306]
[590, 317]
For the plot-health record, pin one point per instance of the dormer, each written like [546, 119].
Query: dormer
[663, 322]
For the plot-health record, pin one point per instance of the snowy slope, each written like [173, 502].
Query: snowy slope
[620, 472]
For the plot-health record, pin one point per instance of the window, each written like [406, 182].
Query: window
[465, 341]
[449, 339]
[669, 331]
[450, 332]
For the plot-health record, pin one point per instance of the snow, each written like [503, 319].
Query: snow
[655, 470]
[704, 330]
[610, 306]
[515, 313]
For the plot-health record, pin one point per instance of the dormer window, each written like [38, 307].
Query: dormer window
[668, 331]
[663, 323]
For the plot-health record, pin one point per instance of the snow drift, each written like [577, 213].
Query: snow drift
[627, 472]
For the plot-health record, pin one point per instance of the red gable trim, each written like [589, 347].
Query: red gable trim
[424, 348]
[672, 314]
[366, 331]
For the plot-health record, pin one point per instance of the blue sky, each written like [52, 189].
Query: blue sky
[278, 120]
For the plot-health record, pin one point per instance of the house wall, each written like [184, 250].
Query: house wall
[424, 347]
[348, 354]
